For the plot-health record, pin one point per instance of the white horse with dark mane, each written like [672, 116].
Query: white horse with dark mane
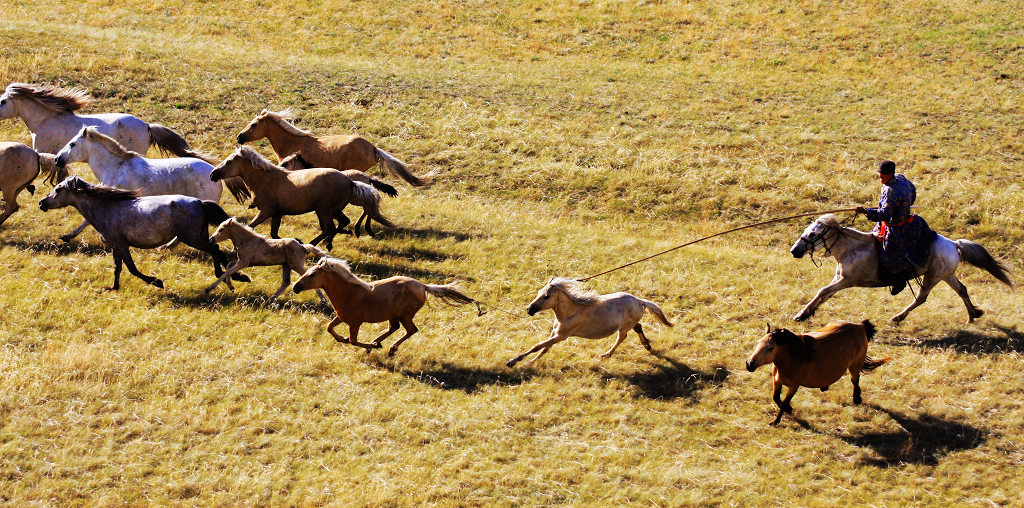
[857, 258]
[116, 166]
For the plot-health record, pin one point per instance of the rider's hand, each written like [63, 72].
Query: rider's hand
[860, 209]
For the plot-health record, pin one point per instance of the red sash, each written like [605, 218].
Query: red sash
[885, 226]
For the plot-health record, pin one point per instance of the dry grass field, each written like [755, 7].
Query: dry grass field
[562, 138]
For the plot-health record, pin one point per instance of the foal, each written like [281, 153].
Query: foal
[19, 166]
[816, 359]
[586, 314]
[395, 300]
[255, 249]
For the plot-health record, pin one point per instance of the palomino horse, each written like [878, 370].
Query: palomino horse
[586, 314]
[116, 166]
[395, 300]
[366, 196]
[255, 249]
[814, 360]
[857, 259]
[124, 219]
[338, 152]
[278, 192]
[19, 167]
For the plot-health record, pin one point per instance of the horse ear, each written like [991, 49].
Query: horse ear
[768, 328]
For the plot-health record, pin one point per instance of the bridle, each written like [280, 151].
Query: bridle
[824, 237]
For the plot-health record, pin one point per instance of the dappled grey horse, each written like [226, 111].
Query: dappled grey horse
[124, 220]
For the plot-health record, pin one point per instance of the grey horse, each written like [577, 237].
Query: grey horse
[124, 219]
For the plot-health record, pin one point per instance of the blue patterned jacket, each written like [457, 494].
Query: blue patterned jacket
[894, 205]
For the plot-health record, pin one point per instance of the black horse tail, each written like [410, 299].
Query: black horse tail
[384, 187]
[213, 213]
[976, 255]
[869, 329]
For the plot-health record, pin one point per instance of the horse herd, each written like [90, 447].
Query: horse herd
[148, 203]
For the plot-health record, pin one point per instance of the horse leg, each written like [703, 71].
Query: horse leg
[926, 287]
[972, 311]
[75, 232]
[117, 273]
[618, 340]
[643, 338]
[855, 377]
[823, 294]
[286, 279]
[126, 256]
[327, 229]
[343, 220]
[392, 328]
[410, 328]
[554, 339]
[260, 218]
[10, 205]
[236, 266]
[275, 226]
[353, 332]
[535, 358]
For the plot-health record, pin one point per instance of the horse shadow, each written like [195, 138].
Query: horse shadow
[217, 300]
[379, 271]
[413, 253]
[448, 376]
[428, 234]
[922, 439]
[59, 247]
[672, 380]
[1004, 340]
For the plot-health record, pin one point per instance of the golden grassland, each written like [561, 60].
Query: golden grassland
[562, 138]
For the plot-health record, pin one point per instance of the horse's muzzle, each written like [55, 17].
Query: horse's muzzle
[297, 288]
[42, 206]
[60, 162]
[214, 176]
[241, 139]
[531, 310]
[750, 366]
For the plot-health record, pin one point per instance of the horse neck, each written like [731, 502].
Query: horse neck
[259, 180]
[345, 288]
[564, 306]
[848, 239]
[92, 208]
[239, 234]
[283, 142]
[104, 164]
[35, 114]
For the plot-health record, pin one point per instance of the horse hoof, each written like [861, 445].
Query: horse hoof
[66, 238]
[857, 400]
[240, 277]
[391, 352]
[800, 317]
[158, 283]
[510, 363]
[897, 319]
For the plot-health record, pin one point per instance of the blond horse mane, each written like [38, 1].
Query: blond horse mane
[54, 98]
[110, 144]
[282, 119]
[258, 161]
[341, 268]
[572, 289]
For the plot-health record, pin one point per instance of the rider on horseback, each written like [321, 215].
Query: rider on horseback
[899, 230]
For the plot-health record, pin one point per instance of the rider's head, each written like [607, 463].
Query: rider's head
[886, 171]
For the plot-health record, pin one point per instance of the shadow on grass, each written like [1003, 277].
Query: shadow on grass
[58, 247]
[673, 380]
[922, 439]
[1004, 340]
[426, 234]
[378, 271]
[448, 376]
[218, 299]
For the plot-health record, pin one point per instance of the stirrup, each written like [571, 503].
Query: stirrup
[898, 287]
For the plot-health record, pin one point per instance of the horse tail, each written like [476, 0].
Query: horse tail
[367, 197]
[384, 187]
[397, 167]
[236, 186]
[653, 307]
[316, 251]
[48, 167]
[448, 293]
[869, 329]
[976, 255]
[170, 142]
[871, 364]
[213, 213]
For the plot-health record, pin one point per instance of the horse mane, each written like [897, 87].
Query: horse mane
[111, 144]
[830, 219]
[800, 347]
[282, 119]
[241, 225]
[79, 186]
[341, 268]
[572, 289]
[258, 161]
[54, 98]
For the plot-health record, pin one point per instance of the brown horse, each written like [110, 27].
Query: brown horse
[19, 167]
[816, 359]
[255, 249]
[338, 152]
[395, 300]
[278, 192]
[366, 196]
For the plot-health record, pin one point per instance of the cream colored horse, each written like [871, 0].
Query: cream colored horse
[580, 313]
[19, 167]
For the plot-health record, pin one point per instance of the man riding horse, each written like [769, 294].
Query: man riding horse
[902, 233]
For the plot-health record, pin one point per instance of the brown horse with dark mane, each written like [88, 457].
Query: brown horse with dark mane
[816, 359]
[19, 167]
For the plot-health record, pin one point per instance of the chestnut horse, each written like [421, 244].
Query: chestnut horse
[395, 300]
[586, 314]
[816, 359]
[278, 192]
[338, 152]
[19, 167]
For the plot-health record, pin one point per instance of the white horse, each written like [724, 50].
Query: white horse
[118, 167]
[586, 314]
[857, 259]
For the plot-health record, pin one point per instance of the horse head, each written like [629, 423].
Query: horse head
[545, 298]
[61, 195]
[223, 231]
[74, 151]
[8, 107]
[255, 130]
[812, 237]
[767, 349]
[228, 168]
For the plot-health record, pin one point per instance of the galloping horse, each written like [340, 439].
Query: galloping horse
[857, 258]
[366, 196]
[814, 360]
[19, 166]
[395, 300]
[586, 314]
[116, 166]
[338, 152]
[278, 192]
[124, 219]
